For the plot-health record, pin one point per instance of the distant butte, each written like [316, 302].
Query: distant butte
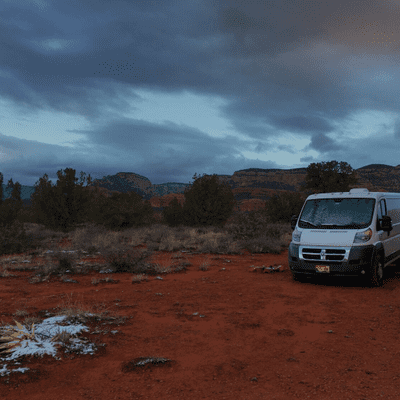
[251, 187]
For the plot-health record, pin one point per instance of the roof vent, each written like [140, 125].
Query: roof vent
[359, 191]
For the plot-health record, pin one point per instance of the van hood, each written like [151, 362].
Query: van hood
[331, 237]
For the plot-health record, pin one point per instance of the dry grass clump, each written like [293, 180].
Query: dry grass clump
[252, 231]
[256, 233]
[59, 263]
[93, 238]
[77, 312]
[74, 312]
[204, 266]
[138, 278]
[96, 281]
[5, 274]
[14, 239]
[235, 236]
[123, 261]
[11, 337]
[21, 313]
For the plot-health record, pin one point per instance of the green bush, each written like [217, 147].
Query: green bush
[208, 202]
[248, 226]
[9, 211]
[173, 213]
[13, 239]
[121, 261]
[124, 210]
[63, 206]
[280, 208]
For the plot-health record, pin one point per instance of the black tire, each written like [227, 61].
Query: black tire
[376, 272]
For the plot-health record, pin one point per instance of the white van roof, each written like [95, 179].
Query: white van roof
[354, 193]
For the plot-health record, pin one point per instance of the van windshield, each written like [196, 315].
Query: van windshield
[337, 213]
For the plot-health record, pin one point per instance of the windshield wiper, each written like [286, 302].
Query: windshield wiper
[334, 225]
[337, 226]
[308, 223]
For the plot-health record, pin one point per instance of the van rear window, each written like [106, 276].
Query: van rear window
[354, 213]
[393, 210]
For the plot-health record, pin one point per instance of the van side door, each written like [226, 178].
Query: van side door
[393, 211]
[383, 236]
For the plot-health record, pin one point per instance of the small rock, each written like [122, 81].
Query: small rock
[256, 269]
[108, 271]
[274, 268]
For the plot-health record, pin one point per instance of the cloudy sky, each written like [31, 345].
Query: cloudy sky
[170, 88]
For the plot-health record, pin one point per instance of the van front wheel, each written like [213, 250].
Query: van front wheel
[376, 274]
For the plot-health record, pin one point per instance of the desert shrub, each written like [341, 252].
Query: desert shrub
[263, 245]
[124, 210]
[13, 238]
[173, 213]
[9, 211]
[280, 208]
[10, 208]
[62, 206]
[248, 225]
[27, 214]
[120, 261]
[326, 177]
[208, 202]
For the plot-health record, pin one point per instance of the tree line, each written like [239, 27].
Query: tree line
[67, 204]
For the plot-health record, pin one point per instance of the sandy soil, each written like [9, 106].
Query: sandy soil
[227, 332]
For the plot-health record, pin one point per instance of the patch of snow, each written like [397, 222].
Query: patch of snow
[41, 343]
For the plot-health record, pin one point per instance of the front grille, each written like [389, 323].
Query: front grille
[324, 254]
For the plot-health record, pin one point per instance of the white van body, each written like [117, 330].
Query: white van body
[354, 233]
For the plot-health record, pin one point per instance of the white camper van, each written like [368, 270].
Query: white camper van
[354, 233]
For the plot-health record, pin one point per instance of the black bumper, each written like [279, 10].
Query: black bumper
[360, 259]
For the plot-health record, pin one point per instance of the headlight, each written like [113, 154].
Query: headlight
[362, 237]
[296, 235]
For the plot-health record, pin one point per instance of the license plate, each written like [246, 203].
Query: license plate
[322, 268]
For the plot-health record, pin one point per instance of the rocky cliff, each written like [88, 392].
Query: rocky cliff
[251, 187]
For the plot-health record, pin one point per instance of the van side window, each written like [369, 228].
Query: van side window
[393, 210]
[378, 217]
[380, 211]
[383, 207]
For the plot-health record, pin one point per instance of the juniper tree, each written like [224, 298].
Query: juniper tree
[64, 205]
[208, 202]
[173, 213]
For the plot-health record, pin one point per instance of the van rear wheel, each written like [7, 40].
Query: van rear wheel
[376, 273]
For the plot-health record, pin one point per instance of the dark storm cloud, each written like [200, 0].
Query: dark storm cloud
[161, 152]
[396, 131]
[323, 143]
[175, 45]
[302, 124]
[297, 66]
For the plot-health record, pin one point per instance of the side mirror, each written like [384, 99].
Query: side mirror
[386, 223]
[294, 221]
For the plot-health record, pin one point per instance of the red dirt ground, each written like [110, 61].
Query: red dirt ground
[256, 335]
